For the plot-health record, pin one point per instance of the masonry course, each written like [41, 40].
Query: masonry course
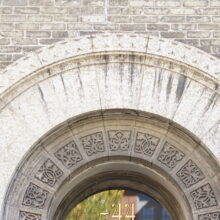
[26, 25]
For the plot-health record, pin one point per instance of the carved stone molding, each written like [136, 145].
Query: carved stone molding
[190, 174]
[93, 143]
[68, 155]
[29, 216]
[35, 196]
[49, 173]
[146, 144]
[210, 216]
[170, 156]
[204, 197]
[119, 140]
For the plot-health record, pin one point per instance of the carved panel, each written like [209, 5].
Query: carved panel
[93, 143]
[49, 173]
[210, 216]
[119, 140]
[29, 216]
[190, 174]
[146, 143]
[170, 155]
[68, 155]
[35, 196]
[204, 197]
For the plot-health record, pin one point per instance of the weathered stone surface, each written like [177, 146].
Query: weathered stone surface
[48, 87]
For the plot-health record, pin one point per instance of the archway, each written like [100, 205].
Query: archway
[114, 102]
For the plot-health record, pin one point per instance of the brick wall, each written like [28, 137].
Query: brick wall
[26, 25]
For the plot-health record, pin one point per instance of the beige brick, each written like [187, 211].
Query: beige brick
[192, 42]
[79, 26]
[195, 3]
[216, 19]
[38, 34]
[88, 11]
[41, 2]
[99, 11]
[15, 2]
[74, 11]
[132, 27]
[27, 49]
[12, 18]
[141, 3]
[172, 19]
[69, 3]
[172, 34]
[198, 34]
[215, 42]
[206, 42]
[168, 3]
[106, 27]
[24, 41]
[11, 33]
[151, 33]
[82, 33]
[183, 27]
[132, 11]
[54, 10]
[118, 2]
[209, 26]
[215, 3]
[158, 27]
[60, 34]
[4, 41]
[5, 57]
[49, 41]
[6, 26]
[93, 19]
[145, 19]
[65, 18]
[5, 10]
[116, 11]
[41, 18]
[26, 26]
[10, 49]
[92, 11]
[52, 26]
[216, 49]
[119, 19]
[207, 11]
[182, 11]
[216, 34]
[26, 10]
[198, 19]
[92, 2]
[156, 11]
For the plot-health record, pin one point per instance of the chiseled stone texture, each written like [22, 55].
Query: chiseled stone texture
[26, 25]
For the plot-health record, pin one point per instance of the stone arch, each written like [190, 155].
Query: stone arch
[172, 88]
